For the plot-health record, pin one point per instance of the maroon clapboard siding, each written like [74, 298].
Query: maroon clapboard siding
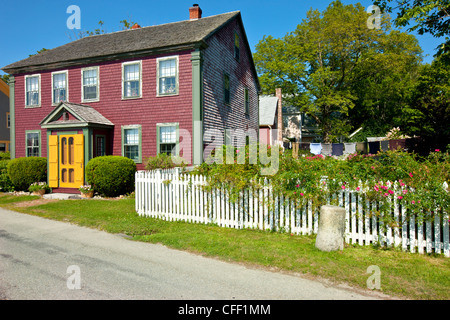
[146, 111]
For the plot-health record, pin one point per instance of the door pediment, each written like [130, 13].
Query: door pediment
[72, 115]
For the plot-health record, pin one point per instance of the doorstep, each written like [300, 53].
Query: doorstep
[62, 196]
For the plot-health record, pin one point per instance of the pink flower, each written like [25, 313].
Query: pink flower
[402, 184]
[391, 192]
[297, 186]
[410, 174]
[372, 167]
[343, 187]
[386, 194]
[295, 192]
[405, 191]
[301, 193]
[437, 150]
[400, 197]
[357, 188]
[376, 188]
[413, 202]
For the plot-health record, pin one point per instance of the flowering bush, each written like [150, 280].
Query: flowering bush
[37, 186]
[419, 184]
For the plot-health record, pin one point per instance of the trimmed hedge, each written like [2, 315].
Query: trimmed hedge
[111, 176]
[24, 171]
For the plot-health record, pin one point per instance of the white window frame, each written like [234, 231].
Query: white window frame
[66, 72]
[39, 88]
[140, 79]
[177, 84]
[98, 84]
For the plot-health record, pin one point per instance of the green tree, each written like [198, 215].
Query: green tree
[322, 65]
[431, 100]
[424, 16]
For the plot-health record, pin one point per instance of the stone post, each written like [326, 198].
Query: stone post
[330, 236]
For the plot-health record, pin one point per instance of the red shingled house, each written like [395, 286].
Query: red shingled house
[134, 93]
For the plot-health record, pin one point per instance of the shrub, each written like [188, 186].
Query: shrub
[25, 171]
[111, 176]
[5, 182]
[164, 161]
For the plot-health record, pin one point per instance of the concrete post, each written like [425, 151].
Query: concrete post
[330, 236]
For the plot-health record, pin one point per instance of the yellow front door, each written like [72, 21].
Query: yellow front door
[71, 160]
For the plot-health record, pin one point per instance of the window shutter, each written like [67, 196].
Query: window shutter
[53, 161]
[79, 159]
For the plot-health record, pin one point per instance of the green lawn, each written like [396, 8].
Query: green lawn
[403, 275]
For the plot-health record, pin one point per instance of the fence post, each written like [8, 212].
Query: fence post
[330, 235]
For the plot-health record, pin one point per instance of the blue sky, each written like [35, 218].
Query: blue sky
[30, 25]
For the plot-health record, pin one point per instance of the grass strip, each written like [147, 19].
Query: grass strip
[404, 275]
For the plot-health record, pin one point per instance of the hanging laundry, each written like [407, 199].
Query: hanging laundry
[374, 147]
[384, 145]
[397, 144]
[361, 147]
[326, 149]
[337, 149]
[349, 147]
[315, 148]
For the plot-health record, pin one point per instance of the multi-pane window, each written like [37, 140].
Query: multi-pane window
[132, 80]
[32, 90]
[167, 139]
[131, 143]
[226, 87]
[33, 145]
[236, 47]
[167, 76]
[100, 146]
[59, 87]
[90, 84]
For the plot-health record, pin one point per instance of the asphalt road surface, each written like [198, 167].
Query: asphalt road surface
[45, 259]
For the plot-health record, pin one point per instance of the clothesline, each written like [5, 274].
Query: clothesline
[339, 149]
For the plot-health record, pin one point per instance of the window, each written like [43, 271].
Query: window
[226, 86]
[8, 120]
[59, 84]
[236, 47]
[90, 81]
[33, 139]
[32, 88]
[246, 101]
[167, 138]
[131, 143]
[167, 76]
[100, 146]
[132, 79]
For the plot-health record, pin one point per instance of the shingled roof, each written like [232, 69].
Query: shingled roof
[135, 42]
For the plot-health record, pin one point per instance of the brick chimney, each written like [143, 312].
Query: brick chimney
[195, 12]
[280, 114]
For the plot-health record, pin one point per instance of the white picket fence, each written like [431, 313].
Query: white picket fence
[173, 196]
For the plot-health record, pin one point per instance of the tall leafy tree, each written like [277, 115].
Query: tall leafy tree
[333, 64]
[423, 16]
[431, 100]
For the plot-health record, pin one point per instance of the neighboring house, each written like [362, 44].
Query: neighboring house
[4, 117]
[135, 93]
[270, 122]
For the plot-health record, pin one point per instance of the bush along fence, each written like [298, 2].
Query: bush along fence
[174, 196]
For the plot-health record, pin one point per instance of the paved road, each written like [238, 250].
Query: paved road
[45, 259]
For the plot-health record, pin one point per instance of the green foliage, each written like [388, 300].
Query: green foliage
[111, 176]
[164, 161]
[5, 182]
[416, 182]
[25, 171]
[340, 72]
[423, 16]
